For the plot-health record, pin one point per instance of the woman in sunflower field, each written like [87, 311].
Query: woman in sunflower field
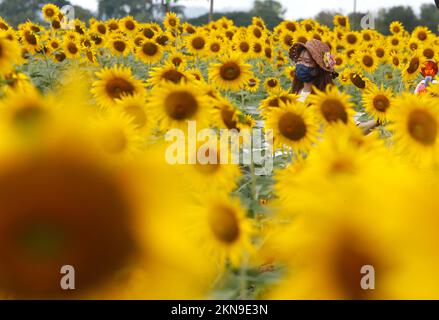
[315, 67]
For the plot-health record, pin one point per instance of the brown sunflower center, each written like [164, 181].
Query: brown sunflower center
[333, 110]
[72, 48]
[380, 52]
[102, 29]
[348, 259]
[422, 127]
[228, 117]
[257, 47]
[342, 21]
[118, 87]
[198, 43]
[429, 53]
[177, 61]
[230, 71]
[78, 214]
[381, 103]
[50, 13]
[119, 45]
[28, 117]
[181, 105]
[257, 33]
[422, 35]
[351, 39]
[413, 66]
[244, 46]
[288, 40]
[150, 49]
[30, 38]
[368, 61]
[174, 76]
[130, 25]
[291, 26]
[358, 81]
[224, 224]
[215, 47]
[292, 126]
[272, 83]
[148, 33]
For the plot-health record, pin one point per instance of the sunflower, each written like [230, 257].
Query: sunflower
[135, 107]
[196, 74]
[114, 84]
[366, 60]
[26, 111]
[299, 36]
[128, 24]
[113, 25]
[171, 21]
[380, 52]
[221, 229]
[71, 49]
[396, 28]
[215, 47]
[225, 114]
[99, 28]
[50, 12]
[119, 45]
[242, 45]
[415, 123]
[173, 105]
[395, 60]
[149, 52]
[293, 126]
[30, 40]
[341, 22]
[272, 85]
[414, 45]
[422, 33]
[351, 38]
[252, 84]
[290, 72]
[10, 53]
[359, 80]
[232, 73]
[196, 43]
[332, 106]
[429, 50]
[166, 73]
[411, 69]
[378, 102]
[178, 59]
[116, 135]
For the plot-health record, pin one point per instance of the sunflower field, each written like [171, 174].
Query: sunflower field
[84, 111]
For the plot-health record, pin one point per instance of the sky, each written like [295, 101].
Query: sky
[296, 8]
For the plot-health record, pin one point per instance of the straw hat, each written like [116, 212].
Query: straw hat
[319, 51]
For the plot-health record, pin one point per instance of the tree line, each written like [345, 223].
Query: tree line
[272, 11]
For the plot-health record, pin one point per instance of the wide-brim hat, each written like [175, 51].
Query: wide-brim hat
[319, 51]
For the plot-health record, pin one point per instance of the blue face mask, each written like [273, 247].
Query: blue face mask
[306, 74]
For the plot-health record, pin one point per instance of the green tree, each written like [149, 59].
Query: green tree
[400, 13]
[429, 17]
[271, 11]
[19, 11]
[142, 10]
[326, 18]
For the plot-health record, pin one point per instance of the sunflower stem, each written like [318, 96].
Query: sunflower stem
[243, 277]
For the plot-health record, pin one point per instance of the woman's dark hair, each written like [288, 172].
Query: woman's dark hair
[323, 79]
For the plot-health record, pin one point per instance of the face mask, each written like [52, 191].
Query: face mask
[306, 74]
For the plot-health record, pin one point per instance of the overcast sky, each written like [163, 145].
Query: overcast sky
[296, 8]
